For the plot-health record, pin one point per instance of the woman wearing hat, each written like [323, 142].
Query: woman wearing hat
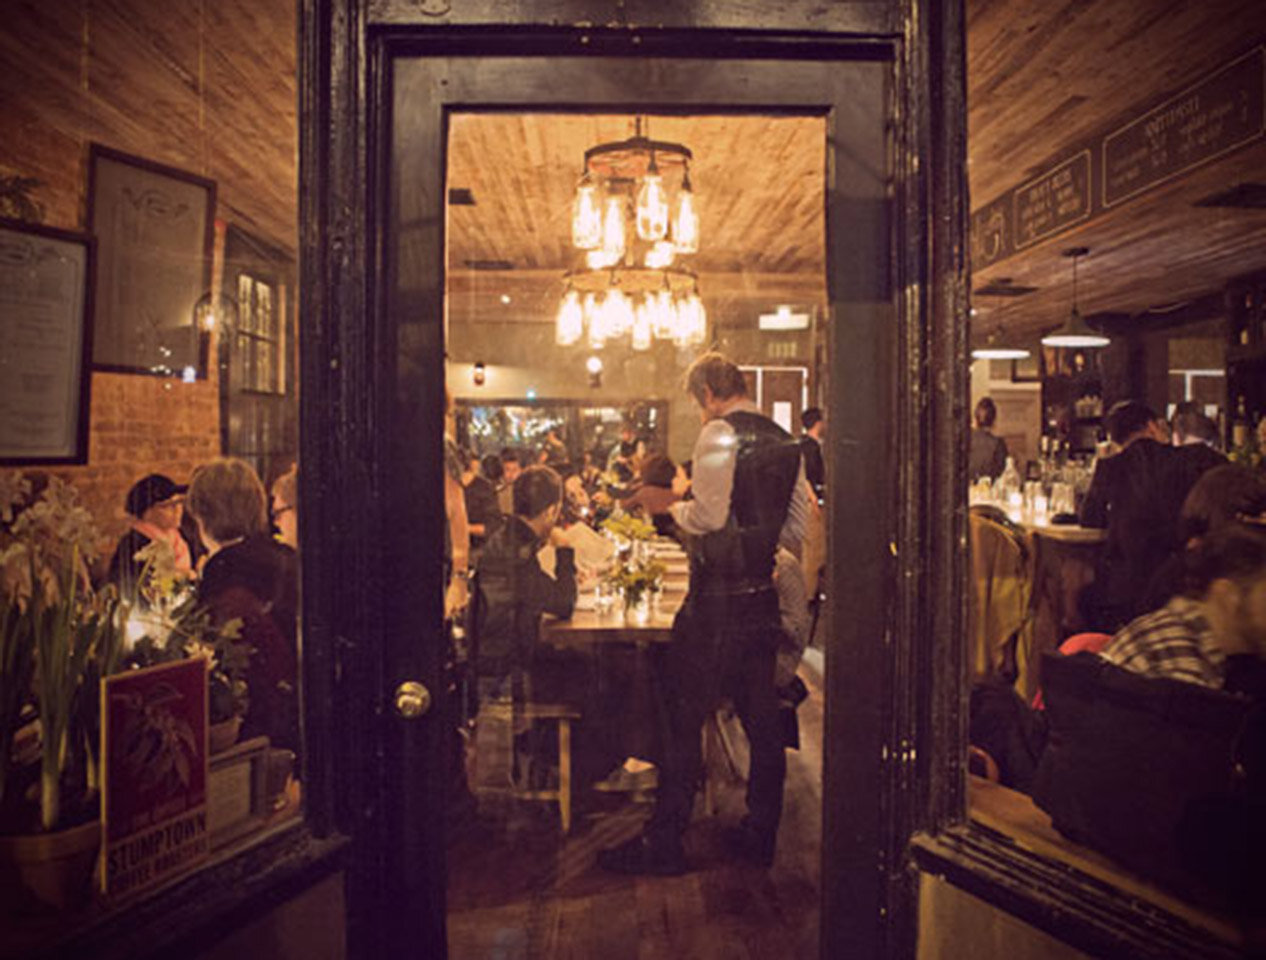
[156, 506]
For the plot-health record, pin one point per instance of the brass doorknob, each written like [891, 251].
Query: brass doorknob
[412, 700]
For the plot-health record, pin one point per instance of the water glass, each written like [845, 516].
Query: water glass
[604, 596]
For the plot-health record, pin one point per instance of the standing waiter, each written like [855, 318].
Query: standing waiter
[749, 496]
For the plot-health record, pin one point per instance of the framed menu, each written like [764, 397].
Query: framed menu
[46, 292]
[154, 227]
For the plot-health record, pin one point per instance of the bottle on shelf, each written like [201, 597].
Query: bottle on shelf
[1240, 426]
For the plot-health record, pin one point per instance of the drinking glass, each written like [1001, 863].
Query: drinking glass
[604, 596]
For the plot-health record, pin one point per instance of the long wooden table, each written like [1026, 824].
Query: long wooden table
[589, 627]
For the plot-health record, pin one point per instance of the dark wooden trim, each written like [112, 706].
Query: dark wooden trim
[98, 150]
[189, 915]
[82, 428]
[1074, 908]
[862, 287]
[862, 17]
[532, 41]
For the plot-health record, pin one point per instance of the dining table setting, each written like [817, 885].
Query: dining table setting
[604, 612]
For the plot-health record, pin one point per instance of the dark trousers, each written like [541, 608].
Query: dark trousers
[723, 647]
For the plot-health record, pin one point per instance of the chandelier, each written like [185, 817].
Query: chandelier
[633, 216]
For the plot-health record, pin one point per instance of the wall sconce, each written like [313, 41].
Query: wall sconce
[594, 366]
[479, 374]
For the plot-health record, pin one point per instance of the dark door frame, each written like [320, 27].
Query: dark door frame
[896, 507]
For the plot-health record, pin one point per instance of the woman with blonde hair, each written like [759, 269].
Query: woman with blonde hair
[251, 577]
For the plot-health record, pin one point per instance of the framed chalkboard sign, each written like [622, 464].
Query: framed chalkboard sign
[46, 294]
[154, 227]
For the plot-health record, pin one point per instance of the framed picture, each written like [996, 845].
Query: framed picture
[46, 295]
[155, 228]
[1028, 370]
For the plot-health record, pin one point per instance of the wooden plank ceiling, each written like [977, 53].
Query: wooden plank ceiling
[758, 180]
[1043, 77]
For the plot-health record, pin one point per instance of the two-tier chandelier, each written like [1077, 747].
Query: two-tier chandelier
[633, 216]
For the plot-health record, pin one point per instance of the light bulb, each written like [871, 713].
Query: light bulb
[652, 207]
[613, 230]
[699, 330]
[663, 315]
[660, 255]
[686, 222]
[596, 314]
[594, 364]
[617, 312]
[692, 322]
[586, 219]
[570, 325]
[642, 324]
[593, 312]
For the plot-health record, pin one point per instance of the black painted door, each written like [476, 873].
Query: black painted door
[398, 897]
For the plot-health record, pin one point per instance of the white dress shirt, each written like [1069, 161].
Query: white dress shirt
[712, 481]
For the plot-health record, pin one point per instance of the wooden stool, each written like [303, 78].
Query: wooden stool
[564, 715]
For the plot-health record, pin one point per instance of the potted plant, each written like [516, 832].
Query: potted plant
[636, 581]
[170, 624]
[59, 638]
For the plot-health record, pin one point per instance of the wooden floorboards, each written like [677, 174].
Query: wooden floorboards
[519, 891]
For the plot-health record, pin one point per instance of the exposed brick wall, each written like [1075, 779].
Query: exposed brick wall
[142, 425]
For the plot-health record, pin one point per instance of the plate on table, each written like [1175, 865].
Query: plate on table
[585, 600]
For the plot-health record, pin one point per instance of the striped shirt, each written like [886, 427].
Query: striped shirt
[1175, 641]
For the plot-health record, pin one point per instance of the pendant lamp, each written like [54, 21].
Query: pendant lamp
[1075, 332]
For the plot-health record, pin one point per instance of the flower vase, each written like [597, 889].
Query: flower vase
[637, 608]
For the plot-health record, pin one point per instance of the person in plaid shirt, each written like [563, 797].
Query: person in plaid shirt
[1216, 627]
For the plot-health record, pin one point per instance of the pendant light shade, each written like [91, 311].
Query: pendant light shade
[1075, 332]
[998, 347]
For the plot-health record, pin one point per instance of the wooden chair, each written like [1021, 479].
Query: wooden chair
[524, 711]
[1002, 588]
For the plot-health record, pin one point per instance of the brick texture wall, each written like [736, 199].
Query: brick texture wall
[141, 425]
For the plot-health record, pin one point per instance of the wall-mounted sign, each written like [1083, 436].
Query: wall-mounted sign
[154, 796]
[1208, 119]
[1053, 202]
[1221, 113]
[991, 233]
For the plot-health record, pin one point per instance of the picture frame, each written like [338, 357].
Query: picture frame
[155, 230]
[47, 284]
[1028, 370]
